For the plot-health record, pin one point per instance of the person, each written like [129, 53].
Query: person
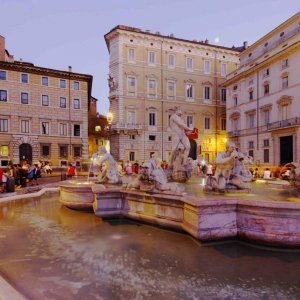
[1, 174]
[71, 171]
[209, 170]
[4, 180]
[164, 165]
[179, 135]
[267, 174]
[128, 168]
[48, 168]
[30, 173]
[36, 174]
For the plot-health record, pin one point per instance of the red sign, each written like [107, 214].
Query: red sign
[194, 134]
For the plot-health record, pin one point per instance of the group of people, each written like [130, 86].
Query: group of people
[19, 175]
[129, 168]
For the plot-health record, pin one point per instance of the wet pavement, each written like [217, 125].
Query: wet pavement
[48, 251]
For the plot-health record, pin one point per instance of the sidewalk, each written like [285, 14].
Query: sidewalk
[47, 180]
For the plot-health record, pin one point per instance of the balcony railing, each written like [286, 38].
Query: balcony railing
[234, 133]
[127, 126]
[284, 123]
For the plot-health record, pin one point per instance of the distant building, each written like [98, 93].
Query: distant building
[43, 112]
[98, 129]
[263, 102]
[150, 74]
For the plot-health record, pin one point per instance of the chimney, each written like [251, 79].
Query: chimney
[2, 48]
[70, 69]
[245, 45]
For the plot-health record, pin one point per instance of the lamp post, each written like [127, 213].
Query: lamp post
[110, 118]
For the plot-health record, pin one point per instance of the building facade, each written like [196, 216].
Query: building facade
[150, 74]
[98, 129]
[43, 112]
[263, 97]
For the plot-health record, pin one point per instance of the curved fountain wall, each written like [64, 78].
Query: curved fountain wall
[267, 222]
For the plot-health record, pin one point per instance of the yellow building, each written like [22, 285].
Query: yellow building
[263, 103]
[150, 74]
[43, 112]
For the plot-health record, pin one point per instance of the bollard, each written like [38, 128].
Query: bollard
[63, 176]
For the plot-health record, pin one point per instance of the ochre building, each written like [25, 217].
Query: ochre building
[150, 74]
[43, 112]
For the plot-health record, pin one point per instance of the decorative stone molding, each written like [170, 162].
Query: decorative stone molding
[207, 113]
[284, 100]
[235, 115]
[131, 73]
[171, 78]
[251, 111]
[207, 83]
[151, 76]
[284, 74]
[190, 81]
[266, 107]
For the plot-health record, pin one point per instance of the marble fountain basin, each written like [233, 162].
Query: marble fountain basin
[248, 216]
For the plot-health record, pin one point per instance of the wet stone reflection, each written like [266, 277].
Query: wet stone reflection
[48, 251]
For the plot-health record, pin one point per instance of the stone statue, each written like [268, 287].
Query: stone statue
[109, 172]
[180, 145]
[230, 171]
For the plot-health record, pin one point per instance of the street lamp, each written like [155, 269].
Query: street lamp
[110, 118]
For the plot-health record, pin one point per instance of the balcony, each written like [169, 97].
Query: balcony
[234, 133]
[284, 124]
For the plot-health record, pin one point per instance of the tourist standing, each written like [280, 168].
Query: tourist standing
[71, 171]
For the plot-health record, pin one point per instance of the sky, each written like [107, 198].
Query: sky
[61, 33]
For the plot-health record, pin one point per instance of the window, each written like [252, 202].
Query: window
[45, 100]
[4, 150]
[206, 66]
[131, 86]
[189, 64]
[223, 95]
[223, 69]
[285, 82]
[45, 81]
[3, 95]
[62, 83]
[206, 123]
[63, 151]
[24, 78]
[251, 121]
[223, 124]
[266, 155]
[131, 55]
[151, 88]
[170, 138]
[266, 72]
[76, 104]
[266, 117]
[62, 102]
[3, 125]
[132, 137]
[76, 85]
[76, 130]
[2, 75]
[250, 95]
[24, 126]
[77, 151]
[131, 117]
[266, 89]
[284, 109]
[206, 93]
[24, 98]
[45, 150]
[152, 137]
[250, 144]
[266, 143]
[151, 58]
[97, 128]
[45, 128]
[152, 119]
[171, 60]
[131, 156]
[189, 91]
[235, 101]
[190, 121]
[62, 129]
[285, 63]
[171, 90]
[251, 153]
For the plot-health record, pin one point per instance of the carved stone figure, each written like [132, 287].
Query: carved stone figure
[109, 173]
[180, 145]
[230, 171]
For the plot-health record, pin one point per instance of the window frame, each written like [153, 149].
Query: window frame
[45, 81]
[21, 77]
[76, 85]
[4, 125]
[4, 98]
[152, 118]
[2, 72]
[76, 103]
[76, 130]
[22, 99]
[45, 100]
[60, 83]
[60, 102]
[45, 128]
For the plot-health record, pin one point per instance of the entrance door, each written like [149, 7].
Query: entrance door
[193, 150]
[25, 151]
[286, 149]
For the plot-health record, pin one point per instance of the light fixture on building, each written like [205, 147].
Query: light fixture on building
[110, 118]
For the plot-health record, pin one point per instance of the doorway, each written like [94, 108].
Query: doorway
[25, 151]
[286, 149]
